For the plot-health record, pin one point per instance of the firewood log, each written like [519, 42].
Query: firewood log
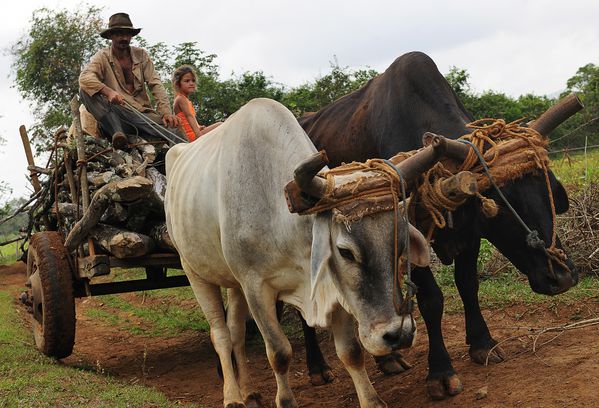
[158, 181]
[121, 243]
[161, 237]
[99, 179]
[126, 190]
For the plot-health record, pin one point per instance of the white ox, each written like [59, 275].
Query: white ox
[227, 216]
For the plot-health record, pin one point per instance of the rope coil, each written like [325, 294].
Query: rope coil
[508, 151]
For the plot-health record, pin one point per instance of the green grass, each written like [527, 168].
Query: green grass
[8, 252]
[182, 294]
[510, 288]
[150, 313]
[577, 168]
[29, 379]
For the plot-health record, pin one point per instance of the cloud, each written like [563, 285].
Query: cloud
[513, 46]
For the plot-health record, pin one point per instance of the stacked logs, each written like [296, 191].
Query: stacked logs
[101, 199]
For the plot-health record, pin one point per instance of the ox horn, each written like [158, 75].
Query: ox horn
[305, 172]
[557, 114]
[417, 164]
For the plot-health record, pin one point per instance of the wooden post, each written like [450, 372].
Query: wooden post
[27, 146]
[35, 181]
[80, 152]
[81, 159]
[69, 170]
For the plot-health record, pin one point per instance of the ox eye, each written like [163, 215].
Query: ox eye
[347, 254]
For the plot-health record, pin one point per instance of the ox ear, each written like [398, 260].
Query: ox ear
[321, 250]
[419, 250]
[560, 196]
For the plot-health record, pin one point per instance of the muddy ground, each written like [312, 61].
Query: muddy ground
[564, 372]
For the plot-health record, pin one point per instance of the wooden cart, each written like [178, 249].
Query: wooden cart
[57, 276]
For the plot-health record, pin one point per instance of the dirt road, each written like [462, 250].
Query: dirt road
[563, 373]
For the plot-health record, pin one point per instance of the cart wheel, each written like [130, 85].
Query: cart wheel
[52, 298]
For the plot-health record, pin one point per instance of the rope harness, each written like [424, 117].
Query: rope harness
[377, 189]
[499, 153]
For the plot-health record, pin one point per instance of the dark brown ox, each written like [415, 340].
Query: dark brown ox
[389, 115]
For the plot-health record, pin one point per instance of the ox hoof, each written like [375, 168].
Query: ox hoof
[235, 405]
[375, 402]
[479, 356]
[439, 388]
[392, 364]
[287, 403]
[322, 377]
[254, 400]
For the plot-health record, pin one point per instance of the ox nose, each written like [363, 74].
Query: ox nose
[565, 279]
[401, 337]
[561, 280]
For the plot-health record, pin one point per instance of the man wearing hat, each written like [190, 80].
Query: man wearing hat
[113, 88]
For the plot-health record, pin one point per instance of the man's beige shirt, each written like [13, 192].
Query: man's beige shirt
[104, 70]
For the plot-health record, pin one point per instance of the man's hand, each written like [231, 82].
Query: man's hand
[171, 121]
[113, 96]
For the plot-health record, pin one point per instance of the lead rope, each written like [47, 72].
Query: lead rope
[406, 306]
[532, 236]
[157, 126]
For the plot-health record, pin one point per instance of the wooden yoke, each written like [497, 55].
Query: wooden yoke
[557, 114]
[417, 164]
[459, 186]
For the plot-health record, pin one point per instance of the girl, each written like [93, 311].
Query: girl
[184, 82]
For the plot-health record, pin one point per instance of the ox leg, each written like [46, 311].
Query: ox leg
[210, 299]
[477, 333]
[262, 303]
[442, 379]
[318, 368]
[351, 354]
[237, 313]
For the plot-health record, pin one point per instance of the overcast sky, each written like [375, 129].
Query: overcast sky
[510, 46]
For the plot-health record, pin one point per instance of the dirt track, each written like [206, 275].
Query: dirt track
[563, 373]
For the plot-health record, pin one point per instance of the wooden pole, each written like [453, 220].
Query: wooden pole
[557, 114]
[27, 146]
[81, 159]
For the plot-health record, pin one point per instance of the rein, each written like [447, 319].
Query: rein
[401, 267]
[157, 126]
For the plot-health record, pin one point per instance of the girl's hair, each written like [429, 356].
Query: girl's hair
[178, 74]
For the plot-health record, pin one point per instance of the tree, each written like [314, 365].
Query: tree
[312, 96]
[584, 127]
[239, 90]
[47, 62]
[14, 225]
[458, 80]
[492, 104]
[4, 191]
[586, 83]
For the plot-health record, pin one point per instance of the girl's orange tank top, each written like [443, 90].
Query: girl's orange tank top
[184, 122]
